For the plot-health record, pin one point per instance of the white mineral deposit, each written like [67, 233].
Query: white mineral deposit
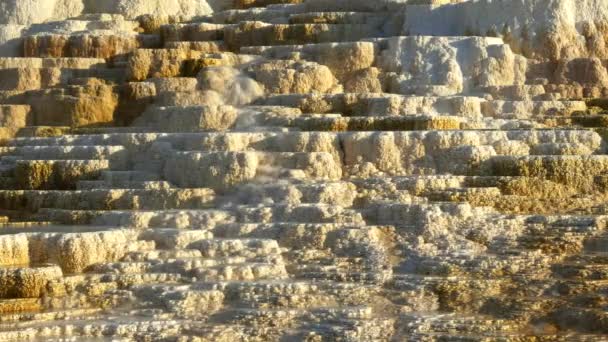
[303, 170]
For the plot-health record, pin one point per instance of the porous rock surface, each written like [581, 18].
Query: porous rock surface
[303, 170]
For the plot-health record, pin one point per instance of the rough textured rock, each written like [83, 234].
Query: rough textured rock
[285, 77]
[188, 119]
[136, 8]
[14, 117]
[303, 170]
[552, 29]
[448, 66]
[25, 12]
[78, 105]
[27, 282]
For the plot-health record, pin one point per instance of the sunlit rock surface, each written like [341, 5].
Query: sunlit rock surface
[303, 170]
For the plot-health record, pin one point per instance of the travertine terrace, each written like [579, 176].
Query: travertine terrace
[303, 170]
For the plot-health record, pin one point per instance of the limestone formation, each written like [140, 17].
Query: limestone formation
[303, 170]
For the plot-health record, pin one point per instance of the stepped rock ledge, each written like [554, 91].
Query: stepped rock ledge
[303, 170]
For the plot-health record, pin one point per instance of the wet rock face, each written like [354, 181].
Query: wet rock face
[303, 170]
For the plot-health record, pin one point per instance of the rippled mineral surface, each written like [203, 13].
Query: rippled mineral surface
[303, 170]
